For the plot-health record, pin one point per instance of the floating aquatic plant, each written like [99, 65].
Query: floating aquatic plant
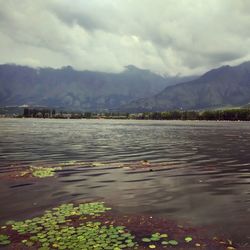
[4, 239]
[173, 242]
[77, 227]
[91, 235]
[164, 242]
[188, 239]
[146, 240]
[158, 238]
[55, 230]
[152, 246]
[155, 237]
[40, 172]
[164, 235]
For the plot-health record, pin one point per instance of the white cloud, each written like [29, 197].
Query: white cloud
[166, 36]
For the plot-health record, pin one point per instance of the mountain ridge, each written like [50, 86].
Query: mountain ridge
[75, 89]
[224, 86]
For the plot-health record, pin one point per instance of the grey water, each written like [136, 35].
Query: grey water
[206, 181]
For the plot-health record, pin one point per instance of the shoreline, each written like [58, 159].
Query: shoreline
[122, 119]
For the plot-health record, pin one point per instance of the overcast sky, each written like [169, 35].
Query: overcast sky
[167, 36]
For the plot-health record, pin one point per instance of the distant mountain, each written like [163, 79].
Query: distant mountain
[223, 87]
[77, 90]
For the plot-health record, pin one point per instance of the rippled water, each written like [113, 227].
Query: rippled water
[206, 181]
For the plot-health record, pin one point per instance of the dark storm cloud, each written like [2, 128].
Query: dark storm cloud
[225, 56]
[166, 36]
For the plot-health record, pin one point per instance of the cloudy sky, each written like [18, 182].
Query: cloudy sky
[167, 36]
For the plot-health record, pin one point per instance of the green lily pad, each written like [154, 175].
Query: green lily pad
[173, 242]
[188, 239]
[164, 235]
[164, 243]
[152, 246]
[4, 239]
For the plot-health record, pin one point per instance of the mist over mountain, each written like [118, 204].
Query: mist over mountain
[78, 90]
[222, 87]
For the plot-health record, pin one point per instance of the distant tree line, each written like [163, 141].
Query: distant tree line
[52, 113]
[215, 115]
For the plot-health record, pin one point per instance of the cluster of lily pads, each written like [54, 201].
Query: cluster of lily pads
[71, 226]
[55, 230]
[163, 239]
[40, 172]
[43, 171]
[91, 235]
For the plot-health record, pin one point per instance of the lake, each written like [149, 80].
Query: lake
[206, 181]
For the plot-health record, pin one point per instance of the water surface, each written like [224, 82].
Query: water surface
[206, 181]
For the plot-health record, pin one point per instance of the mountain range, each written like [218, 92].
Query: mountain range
[132, 90]
[222, 87]
[78, 90]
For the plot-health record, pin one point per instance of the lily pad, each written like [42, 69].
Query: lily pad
[146, 240]
[173, 242]
[4, 239]
[188, 239]
[152, 246]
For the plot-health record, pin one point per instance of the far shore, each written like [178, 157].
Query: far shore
[233, 114]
